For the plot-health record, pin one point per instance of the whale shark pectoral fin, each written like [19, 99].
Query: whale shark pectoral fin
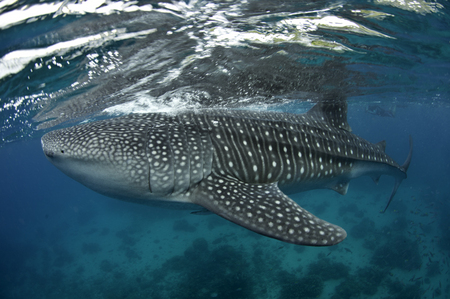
[264, 209]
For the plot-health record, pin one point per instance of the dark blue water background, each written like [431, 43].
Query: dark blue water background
[61, 240]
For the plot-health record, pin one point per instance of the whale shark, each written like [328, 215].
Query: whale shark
[238, 164]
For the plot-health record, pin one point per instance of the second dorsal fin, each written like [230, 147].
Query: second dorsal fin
[381, 145]
[334, 112]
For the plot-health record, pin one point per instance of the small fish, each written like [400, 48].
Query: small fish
[348, 250]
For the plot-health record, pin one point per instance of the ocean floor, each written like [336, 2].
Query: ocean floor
[104, 248]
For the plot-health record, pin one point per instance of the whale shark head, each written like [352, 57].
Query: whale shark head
[102, 156]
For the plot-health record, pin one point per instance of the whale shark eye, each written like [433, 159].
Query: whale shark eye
[62, 151]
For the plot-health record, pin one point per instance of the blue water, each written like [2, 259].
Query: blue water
[62, 240]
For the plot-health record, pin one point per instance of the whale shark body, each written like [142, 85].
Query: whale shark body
[235, 163]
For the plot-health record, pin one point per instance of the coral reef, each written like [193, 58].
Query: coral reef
[400, 224]
[349, 288]
[183, 226]
[364, 282]
[370, 278]
[62, 257]
[327, 269]
[104, 232]
[398, 252]
[107, 266]
[292, 287]
[433, 269]
[364, 228]
[191, 275]
[351, 208]
[90, 248]
[398, 290]
[130, 253]
[126, 235]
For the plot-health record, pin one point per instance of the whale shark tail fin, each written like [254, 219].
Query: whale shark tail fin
[404, 168]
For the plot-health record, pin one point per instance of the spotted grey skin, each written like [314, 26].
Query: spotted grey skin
[237, 164]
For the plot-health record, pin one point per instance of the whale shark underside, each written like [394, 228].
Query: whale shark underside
[235, 163]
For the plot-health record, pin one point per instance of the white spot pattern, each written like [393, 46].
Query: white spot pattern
[171, 154]
[276, 214]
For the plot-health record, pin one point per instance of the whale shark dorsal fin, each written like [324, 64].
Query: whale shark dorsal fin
[264, 209]
[381, 145]
[332, 112]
